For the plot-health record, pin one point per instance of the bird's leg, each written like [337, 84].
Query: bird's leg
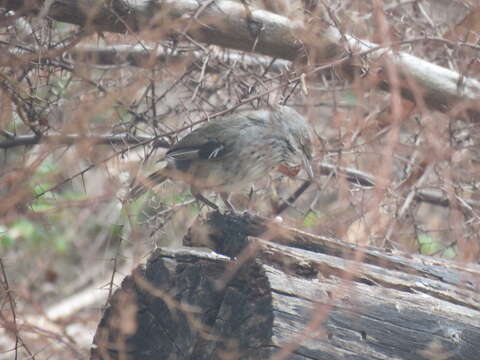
[204, 200]
[228, 204]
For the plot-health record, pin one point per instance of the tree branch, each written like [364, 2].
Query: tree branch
[225, 23]
[431, 196]
[141, 56]
[354, 176]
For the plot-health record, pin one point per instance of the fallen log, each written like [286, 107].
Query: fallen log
[285, 294]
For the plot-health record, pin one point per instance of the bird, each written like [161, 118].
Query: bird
[232, 152]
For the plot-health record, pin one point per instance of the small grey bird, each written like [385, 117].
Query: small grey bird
[231, 152]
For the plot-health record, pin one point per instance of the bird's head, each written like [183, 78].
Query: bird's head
[298, 136]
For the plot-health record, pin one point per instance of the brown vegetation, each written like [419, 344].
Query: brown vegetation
[91, 92]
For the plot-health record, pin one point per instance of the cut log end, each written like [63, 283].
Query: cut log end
[175, 307]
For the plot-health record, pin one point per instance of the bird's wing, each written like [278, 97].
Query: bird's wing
[211, 149]
[207, 142]
[186, 153]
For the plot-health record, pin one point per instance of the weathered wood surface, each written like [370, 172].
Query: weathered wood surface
[318, 298]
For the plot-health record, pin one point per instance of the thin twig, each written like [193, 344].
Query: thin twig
[71, 139]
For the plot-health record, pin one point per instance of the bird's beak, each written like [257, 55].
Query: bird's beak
[307, 165]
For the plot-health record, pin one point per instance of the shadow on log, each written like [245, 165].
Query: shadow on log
[289, 295]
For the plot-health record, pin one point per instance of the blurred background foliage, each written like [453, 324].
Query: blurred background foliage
[74, 131]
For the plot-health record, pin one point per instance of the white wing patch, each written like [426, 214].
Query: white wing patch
[215, 152]
[184, 154]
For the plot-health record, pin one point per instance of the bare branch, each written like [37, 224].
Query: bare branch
[141, 56]
[431, 196]
[26, 140]
[354, 176]
[224, 23]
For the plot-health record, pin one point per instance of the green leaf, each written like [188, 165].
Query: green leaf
[43, 205]
[22, 228]
[41, 188]
[6, 240]
[450, 253]
[47, 167]
[61, 245]
[310, 220]
[428, 244]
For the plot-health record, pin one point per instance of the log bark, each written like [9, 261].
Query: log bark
[285, 294]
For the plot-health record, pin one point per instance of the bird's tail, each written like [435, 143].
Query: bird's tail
[141, 185]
